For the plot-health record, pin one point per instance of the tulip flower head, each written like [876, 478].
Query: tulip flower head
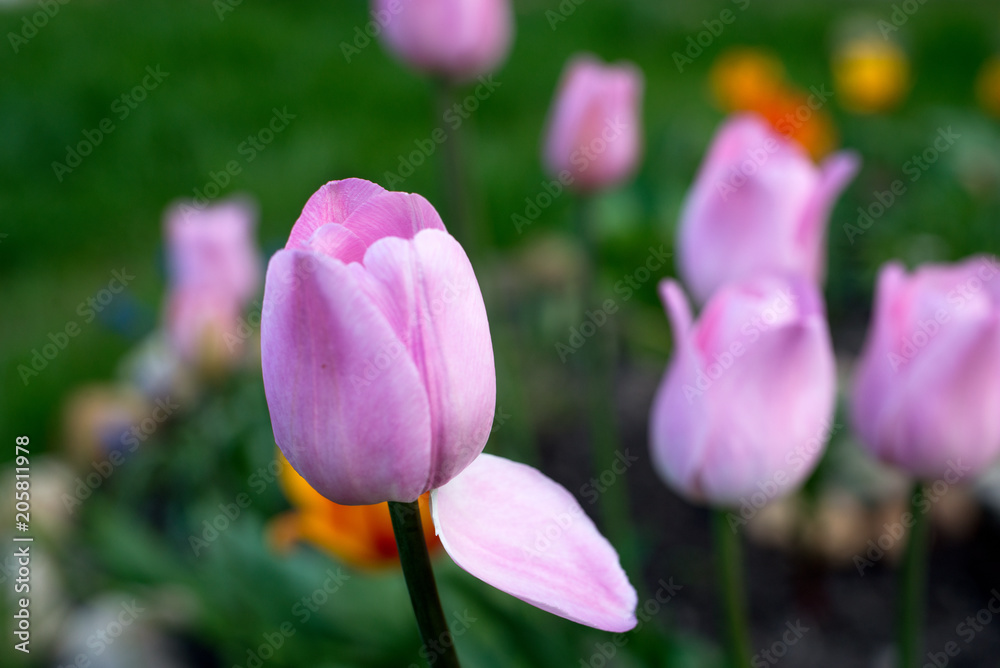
[593, 138]
[214, 269]
[758, 205]
[870, 74]
[456, 39]
[927, 387]
[748, 397]
[379, 377]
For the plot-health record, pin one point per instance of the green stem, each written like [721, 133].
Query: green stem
[912, 583]
[419, 576]
[453, 173]
[729, 563]
[600, 360]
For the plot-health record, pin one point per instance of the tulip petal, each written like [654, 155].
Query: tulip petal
[431, 298]
[515, 529]
[332, 203]
[356, 429]
[393, 214]
[834, 175]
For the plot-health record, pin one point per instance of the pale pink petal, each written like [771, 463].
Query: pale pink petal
[347, 403]
[332, 203]
[431, 298]
[513, 528]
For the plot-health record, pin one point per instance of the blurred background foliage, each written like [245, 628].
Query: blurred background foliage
[62, 240]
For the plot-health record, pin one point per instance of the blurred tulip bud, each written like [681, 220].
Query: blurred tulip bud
[927, 386]
[214, 269]
[593, 137]
[870, 74]
[758, 205]
[746, 405]
[456, 39]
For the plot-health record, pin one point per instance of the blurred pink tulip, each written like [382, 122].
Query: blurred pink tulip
[457, 39]
[758, 205]
[213, 267]
[926, 396]
[746, 404]
[379, 376]
[594, 131]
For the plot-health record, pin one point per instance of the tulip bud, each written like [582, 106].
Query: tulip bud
[214, 269]
[594, 131]
[927, 387]
[745, 407]
[457, 39]
[375, 347]
[758, 205]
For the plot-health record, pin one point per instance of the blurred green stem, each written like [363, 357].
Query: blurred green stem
[729, 564]
[453, 173]
[912, 581]
[419, 576]
[600, 364]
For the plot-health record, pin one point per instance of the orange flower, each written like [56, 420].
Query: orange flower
[749, 79]
[362, 536]
[870, 75]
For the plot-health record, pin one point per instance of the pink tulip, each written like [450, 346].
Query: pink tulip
[745, 406]
[457, 39]
[379, 376]
[594, 130]
[213, 267]
[758, 205]
[926, 395]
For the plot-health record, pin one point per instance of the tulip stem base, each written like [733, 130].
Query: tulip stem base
[912, 581]
[729, 566]
[420, 583]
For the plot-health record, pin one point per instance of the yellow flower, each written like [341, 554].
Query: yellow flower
[361, 536]
[870, 75]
